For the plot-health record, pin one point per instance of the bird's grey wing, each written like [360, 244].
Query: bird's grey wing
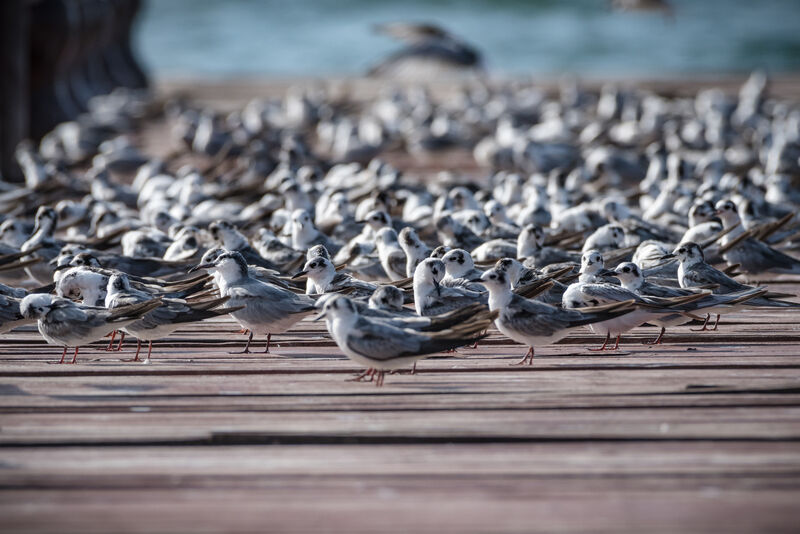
[536, 318]
[456, 291]
[607, 293]
[397, 261]
[9, 310]
[551, 255]
[763, 257]
[382, 342]
[349, 281]
[170, 311]
[465, 284]
[447, 304]
[73, 322]
[126, 299]
[414, 322]
[271, 303]
[655, 290]
[705, 274]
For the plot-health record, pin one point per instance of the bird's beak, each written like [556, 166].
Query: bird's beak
[201, 266]
[478, 280]
[61, 267]
[436, 284]
[607, 272]
[361, 222]
[667, 256]
[320, 316]
[298, 275]
[717, 212]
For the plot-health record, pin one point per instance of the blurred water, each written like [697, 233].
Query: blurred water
[319, 37]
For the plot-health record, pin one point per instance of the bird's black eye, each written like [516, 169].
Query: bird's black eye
[626, 269]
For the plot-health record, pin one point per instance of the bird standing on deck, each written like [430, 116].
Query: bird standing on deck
[393, 259]
[48, 247]
[322, 273]
[431, 298]
[261, 308]
[62, 322]
[163, 320]
[415, 249]
[381, 346]
[693, 271]
[535, 323]
[754, 257]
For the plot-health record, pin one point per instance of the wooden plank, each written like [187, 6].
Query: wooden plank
[700, 435]
[358, 505]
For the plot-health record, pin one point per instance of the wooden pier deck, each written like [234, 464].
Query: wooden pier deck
[699, 435]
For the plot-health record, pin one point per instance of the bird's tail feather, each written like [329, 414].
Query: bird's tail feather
[134, 311]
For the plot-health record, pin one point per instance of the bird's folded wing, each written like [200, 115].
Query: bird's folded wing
[535, 322]
[705, 274]
[382, 342]
[607, 293]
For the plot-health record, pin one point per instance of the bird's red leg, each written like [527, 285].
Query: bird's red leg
[716, 323]
[63, 355]
[528, 358]
[379, 378]
[111, 343]
[246, 347]
[616, 345]
[659, 338]
[603, 347]
[266, 349]
[121, 339]
[75, 356]
[138, 348]
[705, 324]
[360, 377]
[149, 350]
[414, 369]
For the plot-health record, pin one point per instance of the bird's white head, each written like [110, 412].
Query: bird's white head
[592, 262]
[629, 275]
[511, 267]
[340, 308]
[458, 262]
[429, 272]
[496, 281]
[36, 306]
[386, 298]
[727, 212]
[688, 253]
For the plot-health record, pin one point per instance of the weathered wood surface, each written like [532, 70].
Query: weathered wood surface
[699, 435]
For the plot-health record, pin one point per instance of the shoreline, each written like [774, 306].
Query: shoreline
[235, 90]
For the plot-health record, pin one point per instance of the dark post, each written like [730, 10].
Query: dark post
[13, 83]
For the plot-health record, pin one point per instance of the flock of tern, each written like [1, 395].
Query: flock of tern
[590, 209]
